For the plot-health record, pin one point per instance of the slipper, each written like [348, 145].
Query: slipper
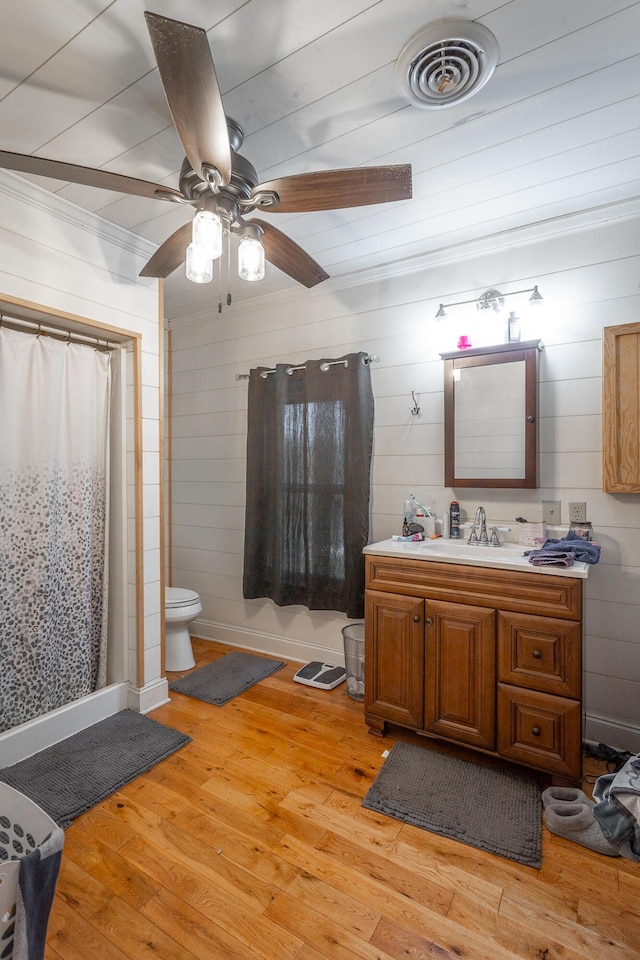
[575, 821]
[565, 795]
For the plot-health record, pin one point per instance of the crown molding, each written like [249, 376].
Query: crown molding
[528, 235]
[12, 185]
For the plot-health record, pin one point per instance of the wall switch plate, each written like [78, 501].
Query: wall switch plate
[577, 512]
[551, 512]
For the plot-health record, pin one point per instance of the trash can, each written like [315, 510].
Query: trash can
[24, 828]
[353, 635]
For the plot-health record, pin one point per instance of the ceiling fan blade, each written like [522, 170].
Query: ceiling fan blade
[191, 87]
[334, 189]
[58, 170]
[170, 254]
[283, 253]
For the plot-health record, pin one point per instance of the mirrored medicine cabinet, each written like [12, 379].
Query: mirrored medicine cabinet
[491, 417]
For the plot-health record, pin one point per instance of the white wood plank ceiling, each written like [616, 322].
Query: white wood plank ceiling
[555, 131]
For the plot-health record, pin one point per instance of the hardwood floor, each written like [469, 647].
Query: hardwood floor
[251, 844]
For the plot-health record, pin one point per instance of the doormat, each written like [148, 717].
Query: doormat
[77, 773]
[495, 810]
[224, 679]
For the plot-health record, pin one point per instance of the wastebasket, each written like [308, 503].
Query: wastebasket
[24, 827]
[353, 635]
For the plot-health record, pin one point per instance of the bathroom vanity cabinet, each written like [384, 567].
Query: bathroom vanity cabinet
[489, 658]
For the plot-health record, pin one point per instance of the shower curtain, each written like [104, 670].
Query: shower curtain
[54, 468]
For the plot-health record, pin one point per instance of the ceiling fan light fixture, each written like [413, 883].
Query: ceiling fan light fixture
[199, 265]
[207, 233]
[251, 259]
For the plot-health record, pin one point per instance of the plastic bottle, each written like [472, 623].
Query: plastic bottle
[445, 525]
[454, 520]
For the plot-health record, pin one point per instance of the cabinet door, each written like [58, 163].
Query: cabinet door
[394, 658]
[460, 673]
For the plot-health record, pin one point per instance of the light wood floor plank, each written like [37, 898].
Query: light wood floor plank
[251, 843]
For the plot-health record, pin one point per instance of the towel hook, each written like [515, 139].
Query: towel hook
[415, 410]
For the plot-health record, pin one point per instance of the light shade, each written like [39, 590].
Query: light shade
[536, 297]
[206, 232]
[199, 265]
[250, 259]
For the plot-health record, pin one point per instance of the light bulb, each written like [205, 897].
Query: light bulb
[206, 232]
[199, 265]
[250, 259]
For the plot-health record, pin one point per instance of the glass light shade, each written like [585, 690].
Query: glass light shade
[250, 259]
[199, 265]
[206, 232]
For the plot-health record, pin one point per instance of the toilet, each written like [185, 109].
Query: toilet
[180, 608]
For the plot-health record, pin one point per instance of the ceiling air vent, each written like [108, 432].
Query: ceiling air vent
[445, 63]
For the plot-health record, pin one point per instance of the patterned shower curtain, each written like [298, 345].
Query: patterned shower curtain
[54, 468]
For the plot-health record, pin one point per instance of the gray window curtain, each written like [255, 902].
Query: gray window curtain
[309, 444]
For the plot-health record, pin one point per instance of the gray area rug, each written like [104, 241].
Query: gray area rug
[494, 810]
[224, 679]
[77, 773]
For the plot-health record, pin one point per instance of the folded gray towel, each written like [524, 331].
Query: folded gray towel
[582, 549]
[550, 558]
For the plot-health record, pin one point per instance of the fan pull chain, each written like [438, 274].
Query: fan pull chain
[219, 286]
[229, 270]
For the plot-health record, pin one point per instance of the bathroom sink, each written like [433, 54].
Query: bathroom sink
[460, 549]
[509, 556]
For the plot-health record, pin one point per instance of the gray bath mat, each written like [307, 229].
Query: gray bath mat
[494, 810]
[225, 678]
[74, 775]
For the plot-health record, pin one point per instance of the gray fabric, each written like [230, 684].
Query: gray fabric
[617, 809]
[36, 889]
[492, 809]
[225, 678]
[74, 775]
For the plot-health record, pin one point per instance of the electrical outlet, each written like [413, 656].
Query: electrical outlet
[551, 512]
[577, 512]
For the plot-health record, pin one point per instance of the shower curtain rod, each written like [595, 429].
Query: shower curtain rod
[323, 366]
[38, 328]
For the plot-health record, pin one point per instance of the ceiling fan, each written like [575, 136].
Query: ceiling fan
[220, 183]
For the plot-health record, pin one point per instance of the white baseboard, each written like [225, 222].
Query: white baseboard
[616, 733]
[147, 698]
[42, 732]
[275, 646]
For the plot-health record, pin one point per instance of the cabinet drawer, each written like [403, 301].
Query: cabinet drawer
[525, 592]
[540, 730]
[542, 653]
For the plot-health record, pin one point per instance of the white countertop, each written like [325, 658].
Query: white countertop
[510, 556]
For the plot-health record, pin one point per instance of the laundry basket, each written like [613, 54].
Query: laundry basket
[24, 827]
[353, 636]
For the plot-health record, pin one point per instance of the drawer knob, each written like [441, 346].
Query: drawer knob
[416, 618]
[537, 654]
[536, 731]
[429, 621]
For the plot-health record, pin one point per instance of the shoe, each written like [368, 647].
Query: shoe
[565, 795]
[575, 821]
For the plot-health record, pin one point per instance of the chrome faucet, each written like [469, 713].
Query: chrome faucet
[481, 521]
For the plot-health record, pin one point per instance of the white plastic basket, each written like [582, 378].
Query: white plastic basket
[24, 826]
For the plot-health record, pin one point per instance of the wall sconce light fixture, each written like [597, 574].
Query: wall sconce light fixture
[492, 300]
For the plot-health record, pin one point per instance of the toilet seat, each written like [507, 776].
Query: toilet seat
[178, 597]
